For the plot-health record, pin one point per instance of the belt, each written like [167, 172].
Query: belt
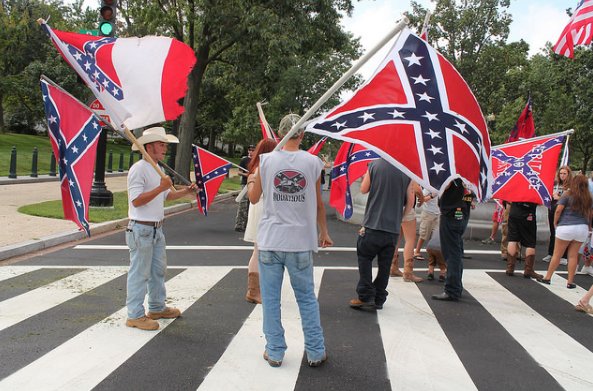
[155, 224]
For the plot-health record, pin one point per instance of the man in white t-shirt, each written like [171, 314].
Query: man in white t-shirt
[292, 213]
[147, 192]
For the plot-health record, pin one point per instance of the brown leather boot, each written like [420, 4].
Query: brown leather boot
[394, 271]
[408, 271]
[253, 294]
[529, 272]
[511, 260]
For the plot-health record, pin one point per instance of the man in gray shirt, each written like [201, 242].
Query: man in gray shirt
[387, 187]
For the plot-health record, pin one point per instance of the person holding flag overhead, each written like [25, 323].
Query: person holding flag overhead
[147, 192]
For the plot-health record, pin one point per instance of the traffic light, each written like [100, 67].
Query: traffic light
[107, 18]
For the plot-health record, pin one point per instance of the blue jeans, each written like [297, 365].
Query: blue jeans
[300, 271]
[451, 232]
[148, 263]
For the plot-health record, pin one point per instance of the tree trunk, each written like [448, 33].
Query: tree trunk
[2, 129]
[187, 124]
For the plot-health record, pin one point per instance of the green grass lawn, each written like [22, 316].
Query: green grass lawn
[25, 143]
[53, 209]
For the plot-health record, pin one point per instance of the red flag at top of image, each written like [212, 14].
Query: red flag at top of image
[73, 131]
[578, 31]
[419, 114]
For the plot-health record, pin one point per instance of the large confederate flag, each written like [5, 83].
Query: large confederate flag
[524, 171]
[73, 132]
[138, 80]
[419, 114]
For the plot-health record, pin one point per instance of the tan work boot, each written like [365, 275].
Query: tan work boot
[511, 260]
[408, 271]
[143, 323]
[167, 313]
[253, 294]
[529, 272]
[394, 271]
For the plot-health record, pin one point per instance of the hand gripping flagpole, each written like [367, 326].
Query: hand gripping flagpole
[361, 61]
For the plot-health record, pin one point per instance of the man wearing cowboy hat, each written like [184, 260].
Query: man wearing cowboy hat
[147, 192]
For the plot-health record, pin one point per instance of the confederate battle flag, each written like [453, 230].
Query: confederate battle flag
[419, 114]
[137, 80]
[524, 171]
[350, 164]
[73, 132]
[210, 170]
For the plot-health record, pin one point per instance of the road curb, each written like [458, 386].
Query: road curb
[29, 246]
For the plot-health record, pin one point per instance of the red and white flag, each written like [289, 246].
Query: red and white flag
[524, 171]
[578, 31]
[317, 147]
[73, 131]
[266, 129]
[138, 80]
[419, 114]
[210, 170]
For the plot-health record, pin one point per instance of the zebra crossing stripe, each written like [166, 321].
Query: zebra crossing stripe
[7, 272]
[558, 287]
[21, 307]
[414, 342]
[243, 357]
[552, 348]
[86, 359]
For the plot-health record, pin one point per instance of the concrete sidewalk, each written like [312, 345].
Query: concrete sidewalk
[22, 234]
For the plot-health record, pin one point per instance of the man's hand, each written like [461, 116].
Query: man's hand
[166, 183]
[325, 240]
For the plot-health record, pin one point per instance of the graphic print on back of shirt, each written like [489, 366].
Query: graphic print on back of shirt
[289, 185]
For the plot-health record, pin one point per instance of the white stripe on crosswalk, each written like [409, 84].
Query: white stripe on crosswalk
[412, 339]
[85, 360]
[23, 306]
[243, 357]
[7, 272]
[239, 248]
[558, 287]
[553, 349]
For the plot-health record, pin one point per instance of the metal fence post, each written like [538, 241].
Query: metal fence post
[52, 165]
[34, 162]
[131, 161]
[120, 168]
[12, 170]
[110, 161]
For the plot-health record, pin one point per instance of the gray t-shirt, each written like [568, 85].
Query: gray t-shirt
[289, 216]
[387, 197]
[570, 216]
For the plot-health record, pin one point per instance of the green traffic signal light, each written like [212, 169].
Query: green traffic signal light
[107, 18]
[106, 29]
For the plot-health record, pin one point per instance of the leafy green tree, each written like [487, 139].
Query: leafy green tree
[223, 32]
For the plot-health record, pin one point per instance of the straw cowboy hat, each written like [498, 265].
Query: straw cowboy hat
[152, 135]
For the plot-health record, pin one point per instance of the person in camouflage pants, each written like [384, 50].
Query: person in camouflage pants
[241, 218]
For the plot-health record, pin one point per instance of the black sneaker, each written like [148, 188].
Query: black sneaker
[317, 363]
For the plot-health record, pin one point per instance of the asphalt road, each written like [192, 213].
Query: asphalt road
[62, 319]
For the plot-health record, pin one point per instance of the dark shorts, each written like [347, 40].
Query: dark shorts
[522, 231]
